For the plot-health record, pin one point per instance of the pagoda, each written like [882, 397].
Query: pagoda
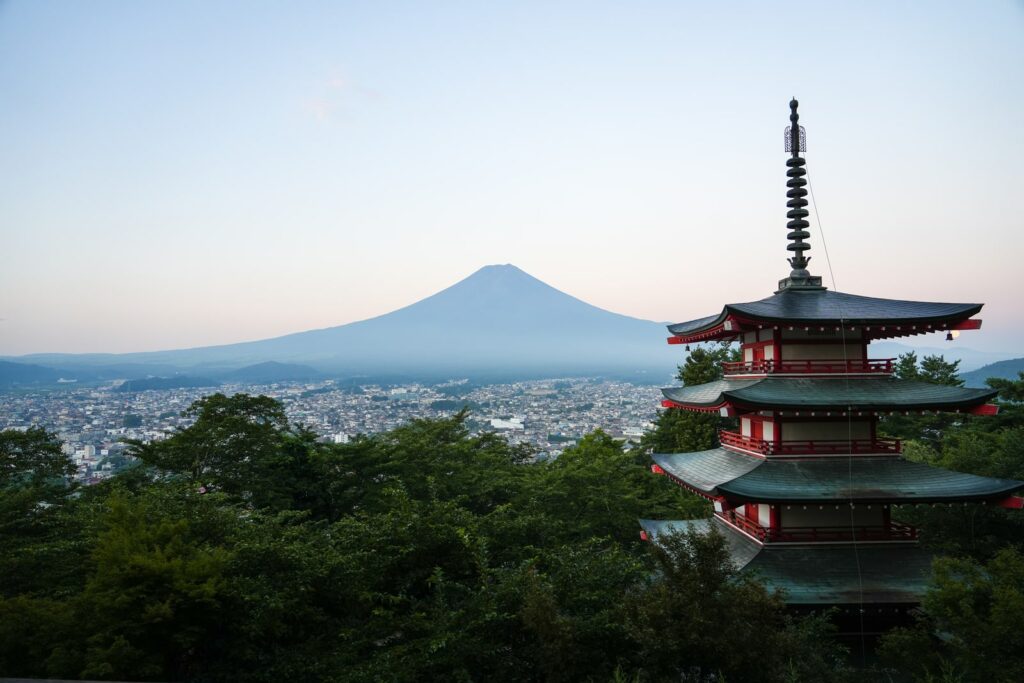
[804, 488]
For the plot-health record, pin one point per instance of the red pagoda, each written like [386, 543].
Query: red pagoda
[804, 489]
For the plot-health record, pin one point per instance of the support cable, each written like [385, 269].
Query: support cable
[849, 425]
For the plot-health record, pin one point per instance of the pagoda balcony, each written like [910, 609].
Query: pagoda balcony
[894, 531]
[810, 447]
[880, 366]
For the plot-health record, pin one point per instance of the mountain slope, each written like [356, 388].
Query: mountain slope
[24, 374]
[271, 371]
[497, 320]
[1006, 369]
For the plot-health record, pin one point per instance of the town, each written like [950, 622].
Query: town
[95, 423]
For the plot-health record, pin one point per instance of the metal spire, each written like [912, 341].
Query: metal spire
[796, 142]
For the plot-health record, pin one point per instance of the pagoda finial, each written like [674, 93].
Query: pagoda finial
[796, 142]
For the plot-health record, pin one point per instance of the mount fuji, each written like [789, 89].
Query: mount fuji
[498, 322]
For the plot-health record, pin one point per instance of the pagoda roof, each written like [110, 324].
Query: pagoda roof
[741, 549]
[863, 479]
[879, 393]
[821, 306]
[823, 574]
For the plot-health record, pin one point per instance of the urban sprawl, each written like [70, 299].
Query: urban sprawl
[95, 422]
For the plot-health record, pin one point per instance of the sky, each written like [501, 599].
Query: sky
[191, 173]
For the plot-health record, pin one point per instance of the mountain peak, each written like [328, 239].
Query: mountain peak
[500, 270]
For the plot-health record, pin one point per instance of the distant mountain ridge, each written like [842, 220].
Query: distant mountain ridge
[272, 371]
[497, 320]
[161, 383]
[26, 374]
[1006, 369]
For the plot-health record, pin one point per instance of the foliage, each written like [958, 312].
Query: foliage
[34, 533]
[682, 431]
[242, 549]
[970, 626]
[678, 621]
[932, 369]
[991, 446]
[679, 431]
[705, 364]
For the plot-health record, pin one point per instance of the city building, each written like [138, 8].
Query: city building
[804, 488]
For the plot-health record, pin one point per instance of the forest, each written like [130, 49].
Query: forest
[242, 549]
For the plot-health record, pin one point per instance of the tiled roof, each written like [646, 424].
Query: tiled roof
[864, 479]
[840, 574]
[824, 480]
[824, 306]
[887, 393]
[706, 470]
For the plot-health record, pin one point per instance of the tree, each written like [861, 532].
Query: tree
[596, 489]
[35, 486]
[705, 365]
[677, 621]
[932, 369]
[928, 428]
[1010, 390]
[242, 445]
[906, 366]
[679, 431]
[937, 370]
[33, 459]
[970, 626]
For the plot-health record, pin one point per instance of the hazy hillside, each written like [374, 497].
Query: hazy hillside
[26, 374]
[272, 371]
[151, 383]
[1007, 369]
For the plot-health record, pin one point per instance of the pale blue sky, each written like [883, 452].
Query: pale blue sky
[187, 173]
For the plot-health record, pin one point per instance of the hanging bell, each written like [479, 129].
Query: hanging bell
[949, 336]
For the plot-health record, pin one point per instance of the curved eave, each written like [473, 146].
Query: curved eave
[823, 574]
[860, 394]
[889, 317]
[720, 473]
[937, 321]
[704, 471]
[863, 480]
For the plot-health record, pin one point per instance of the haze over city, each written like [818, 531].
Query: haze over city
[178, 176]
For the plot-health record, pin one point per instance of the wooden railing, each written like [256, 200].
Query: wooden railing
[880, 366]
[809, 534]
[811, 446]
[895, 531]
[748, 525]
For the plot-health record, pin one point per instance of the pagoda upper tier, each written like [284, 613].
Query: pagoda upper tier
[821, 310]
[796, 395]
[722, 474]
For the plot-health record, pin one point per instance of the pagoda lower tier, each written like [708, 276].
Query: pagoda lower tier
[795, 520]
[891, 575]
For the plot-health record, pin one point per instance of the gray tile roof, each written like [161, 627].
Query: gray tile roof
[886, 393]
[864, 479]
[824, 306]
[840, 574]
[706, 470]
[741, 549]
[826, 480]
